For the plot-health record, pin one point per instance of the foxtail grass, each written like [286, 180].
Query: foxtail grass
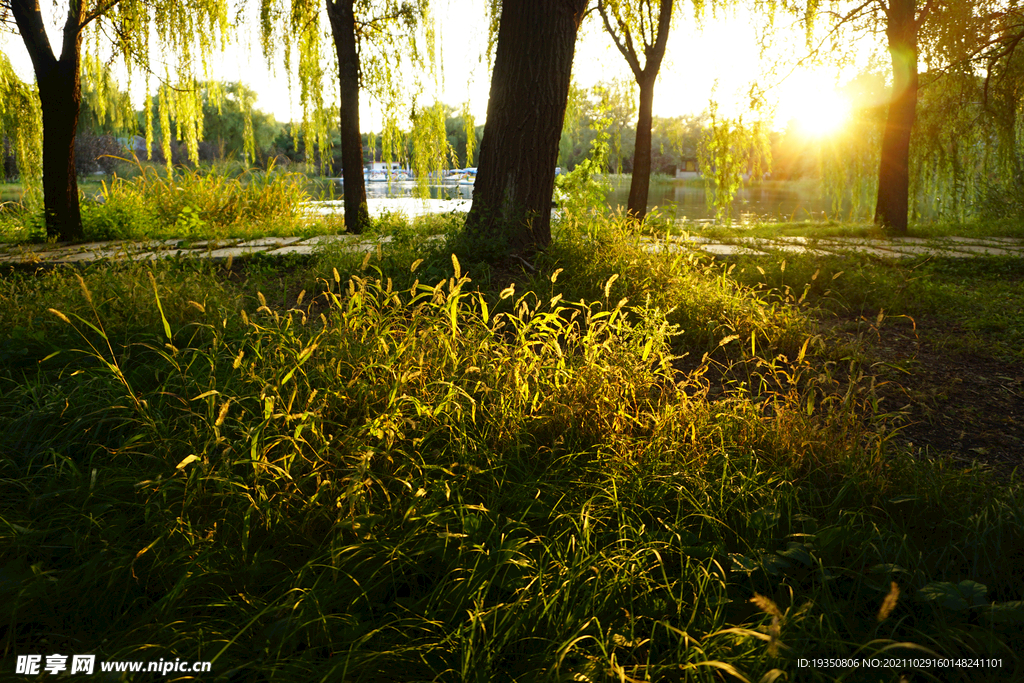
[401, 474]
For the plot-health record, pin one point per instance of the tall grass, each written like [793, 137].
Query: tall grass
[190, 204]
[198, 205]
[389, 479]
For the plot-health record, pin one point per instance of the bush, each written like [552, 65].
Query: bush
[97, 154]
[1003, 198]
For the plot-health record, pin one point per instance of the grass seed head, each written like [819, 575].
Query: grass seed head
[223, 413]
[766, 605]
[85, 289]
[889, 604]
[59, 315]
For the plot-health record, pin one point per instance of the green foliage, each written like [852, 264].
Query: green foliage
[966, 135]
[431, 152]
[233, 126]
[849, 158]
[729, 150]
[21, 123]
[581, 192]
[390, 35]
[1002, 198]
[606, 109]
[197, 204]
[105, 109]
[188, 31]
[674, 140]
[469, 129]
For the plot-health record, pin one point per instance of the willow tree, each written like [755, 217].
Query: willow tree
[729, 150]
[372, 41]
[848, 159]
[946, 34]
[536, 41]
[429, 158]
[639, 29]
[20, 127]
[181, 30]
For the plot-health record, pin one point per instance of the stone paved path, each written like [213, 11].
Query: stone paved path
[906, 247]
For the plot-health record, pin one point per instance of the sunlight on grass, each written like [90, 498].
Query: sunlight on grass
[623, 466]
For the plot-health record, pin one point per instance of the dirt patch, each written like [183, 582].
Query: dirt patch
[960, 404]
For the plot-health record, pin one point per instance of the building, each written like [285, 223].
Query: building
[688, 169]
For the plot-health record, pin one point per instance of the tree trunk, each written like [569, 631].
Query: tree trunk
[343, 28]
[640, 184]
[519, 151]
[892, 207]
[622, 34]
[60, 97]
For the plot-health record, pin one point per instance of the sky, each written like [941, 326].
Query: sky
[719, 59]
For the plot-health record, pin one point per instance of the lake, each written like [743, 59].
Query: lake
[771, 200]
[776, 200]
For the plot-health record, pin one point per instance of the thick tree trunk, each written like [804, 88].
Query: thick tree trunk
[343, 28]
[60, 96]
[640, 184]
[893, 205]
[529, 88]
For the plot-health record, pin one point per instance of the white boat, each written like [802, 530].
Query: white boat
[468, 176]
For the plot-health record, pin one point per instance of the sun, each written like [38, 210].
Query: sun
[815, 105]
[822, 114]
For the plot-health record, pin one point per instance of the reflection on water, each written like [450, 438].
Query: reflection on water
[330, 188]
[773, 200]
[780, 201]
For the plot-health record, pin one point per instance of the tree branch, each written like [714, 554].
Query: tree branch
[72, 30]
[98, 12]
[626, 49]
[30, 25]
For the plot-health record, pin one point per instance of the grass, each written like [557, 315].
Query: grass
[414, 465]
[865, 230]
[195, 204]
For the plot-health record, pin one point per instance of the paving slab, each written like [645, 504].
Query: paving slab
[917, 250]
[170, 253]
[38, 256]
[233, 252]
[911, 240]
[293, 249]
[790, 248]
[653, 247]
[1006, 240]
[329, 239]
[964, 240]
[97, 255]
[269, 242]
[861, 248]
[42, 246]
[683, 239]
[729, 250]
[156, 244]
[988, 251]
[900, 247]
[95, 246]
